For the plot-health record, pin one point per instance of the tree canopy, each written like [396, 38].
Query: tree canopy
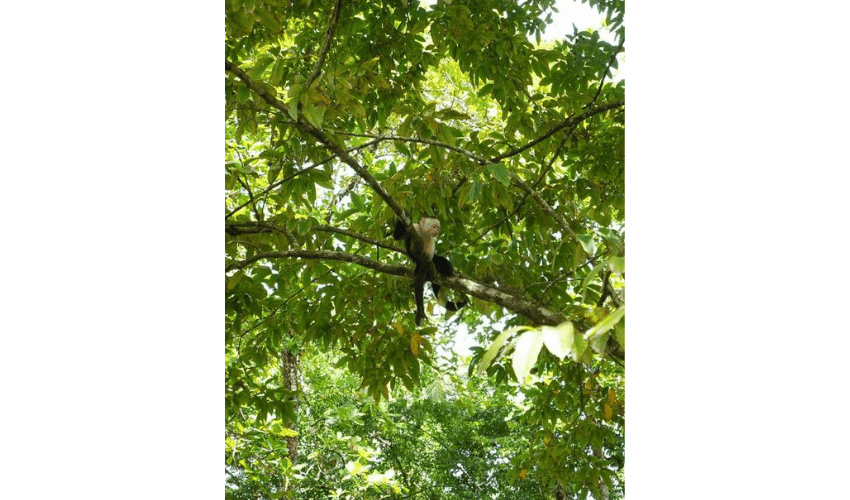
[342, 117]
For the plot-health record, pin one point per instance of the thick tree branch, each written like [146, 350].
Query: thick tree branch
[538, 315]
[329, 34]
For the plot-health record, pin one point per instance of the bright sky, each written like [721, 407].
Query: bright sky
[569, 13]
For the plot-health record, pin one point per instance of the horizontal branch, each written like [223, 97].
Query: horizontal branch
[358, 236]
[538, 315]
[397, 138]
[259, 227]
[323, 255]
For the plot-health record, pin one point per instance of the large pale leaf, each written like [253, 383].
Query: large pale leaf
[559, 339]
[496, 346]
[525, 355]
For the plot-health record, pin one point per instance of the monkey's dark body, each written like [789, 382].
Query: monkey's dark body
[424, 272]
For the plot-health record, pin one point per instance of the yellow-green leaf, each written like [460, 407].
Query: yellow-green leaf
[525, 354]
[559, 340]
[606, 324]
[496, 346]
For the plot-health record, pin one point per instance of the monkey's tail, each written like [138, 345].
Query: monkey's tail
[420, 306]
[419, 279]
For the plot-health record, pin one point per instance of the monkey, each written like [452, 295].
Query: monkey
[428, 228]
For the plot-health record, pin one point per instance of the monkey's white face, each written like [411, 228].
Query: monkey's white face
[429, 226]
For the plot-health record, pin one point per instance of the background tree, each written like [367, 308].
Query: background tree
[342, 117]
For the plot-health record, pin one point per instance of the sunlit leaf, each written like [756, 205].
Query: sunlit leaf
[558, 340]
[494, 348]
[525, 354]
[587, 243]
[607, 323]
[414, 344]
[500, 172]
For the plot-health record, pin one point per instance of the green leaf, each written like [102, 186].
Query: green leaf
[277, 72]
[314, 114]
[559, 340]
[587, 243]
[357, 109]
[606, 324]
[598, 343]
[579, 346]
[243, 94]
[500, 172]
[525, 355]
[617, 264]
[262, 63]
[590, 276]
[486, 89]
[450, 114]
[495, 346]
[293, 109]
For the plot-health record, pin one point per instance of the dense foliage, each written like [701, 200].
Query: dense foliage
[342, 117]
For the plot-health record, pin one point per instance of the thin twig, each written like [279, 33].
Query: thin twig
[358, 236]
[323, 255]
[300, 172]
[247, 188]
[568, 122]
[545, 206]
[329, 33]
[525, 196]
[470, 154]
[605, 73]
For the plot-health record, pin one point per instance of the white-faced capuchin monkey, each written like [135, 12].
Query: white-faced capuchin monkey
[428, 229]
